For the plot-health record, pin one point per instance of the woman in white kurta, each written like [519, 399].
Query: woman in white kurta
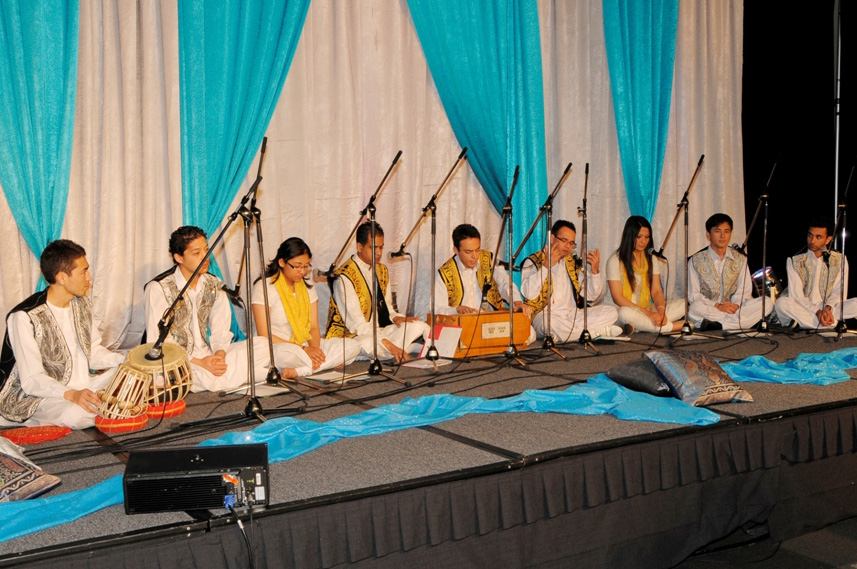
[641, 299]
[299, 349]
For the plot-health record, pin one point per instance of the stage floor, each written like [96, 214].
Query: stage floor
[471, 446]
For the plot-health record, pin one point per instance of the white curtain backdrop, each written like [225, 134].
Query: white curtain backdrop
[705, 118]
[357, 92]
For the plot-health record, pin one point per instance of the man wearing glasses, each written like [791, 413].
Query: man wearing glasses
[566, 320]
[202, 319]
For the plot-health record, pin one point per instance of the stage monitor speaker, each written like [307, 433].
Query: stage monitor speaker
[196, 478]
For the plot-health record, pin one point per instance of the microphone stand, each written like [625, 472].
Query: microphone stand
[841, 329]
[686, 331]
[762, 327]
[253, 409]
[511, 351]
[547, 211]
[432, 354]
[585, 336]
[375, 367]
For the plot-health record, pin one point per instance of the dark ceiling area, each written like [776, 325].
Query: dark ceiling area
[789, 111]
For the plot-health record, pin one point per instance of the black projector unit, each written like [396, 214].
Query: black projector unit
[196, 478]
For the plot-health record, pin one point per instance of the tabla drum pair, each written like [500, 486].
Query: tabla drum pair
[144, 388]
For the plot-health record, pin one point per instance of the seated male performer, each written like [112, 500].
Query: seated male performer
[52, 341]
[352, 302]
[566, 298]
[814, 280]
[466, 280]
[720, 290]
[202, 318]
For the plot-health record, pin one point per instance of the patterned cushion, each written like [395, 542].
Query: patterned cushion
[696, 378]
[640, 376]
[21, 481]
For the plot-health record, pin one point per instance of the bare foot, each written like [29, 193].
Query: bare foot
[288, 373]
[398, 353]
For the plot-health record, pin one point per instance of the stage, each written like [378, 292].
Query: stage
[505, 490]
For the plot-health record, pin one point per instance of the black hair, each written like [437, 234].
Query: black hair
[364, 232]
[181, 238]
[559, 224]
[633, 225]
[821, 221]
[59, 255]
[716, 220]
[464, 231]
[288, 250]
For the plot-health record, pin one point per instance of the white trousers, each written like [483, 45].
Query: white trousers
[237, 373]
[747, 315]
[62, 413]
[400, 336]
[642, 323]
[789, 309]
[568, 327]
[337, 351]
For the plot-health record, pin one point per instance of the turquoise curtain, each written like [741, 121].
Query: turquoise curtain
[38, 84]
[485, 60]
[640, 37]
[234, 56]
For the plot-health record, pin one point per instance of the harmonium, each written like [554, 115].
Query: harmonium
[485, 333]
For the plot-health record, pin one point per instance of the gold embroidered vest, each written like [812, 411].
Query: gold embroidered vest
[712, 285]
[455, 289]
[538, 303]
[336, 328]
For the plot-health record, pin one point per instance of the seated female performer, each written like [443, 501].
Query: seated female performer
[299, 349]
[641, 299]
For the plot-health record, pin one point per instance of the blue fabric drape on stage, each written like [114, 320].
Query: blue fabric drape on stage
[233, 60]
[38, 84]
[287, 437]
[640, 39]
[485, 60]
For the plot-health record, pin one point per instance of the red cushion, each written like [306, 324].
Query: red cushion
[169, 410]
[127, 425]
[32, 435]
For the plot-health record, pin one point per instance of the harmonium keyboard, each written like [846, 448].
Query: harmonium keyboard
[486, 333]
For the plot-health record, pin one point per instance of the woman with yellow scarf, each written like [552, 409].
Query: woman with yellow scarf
[299, 349]
[640, 299]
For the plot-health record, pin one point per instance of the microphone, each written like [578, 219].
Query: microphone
[577, 261]
[739, 248]
[399, 253]
[651, 251]
[232, 293]
[825, 254]
[486, 286]
[505, 265]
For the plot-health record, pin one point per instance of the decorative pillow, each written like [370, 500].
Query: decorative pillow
[19, 478]
[642, 376]
[697, 378]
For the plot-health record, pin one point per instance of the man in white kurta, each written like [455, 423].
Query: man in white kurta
[465, 283]
[566, 318]
[203, 318]
[720, 289]
[353, 303]
[52, 342]
[815, 283]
